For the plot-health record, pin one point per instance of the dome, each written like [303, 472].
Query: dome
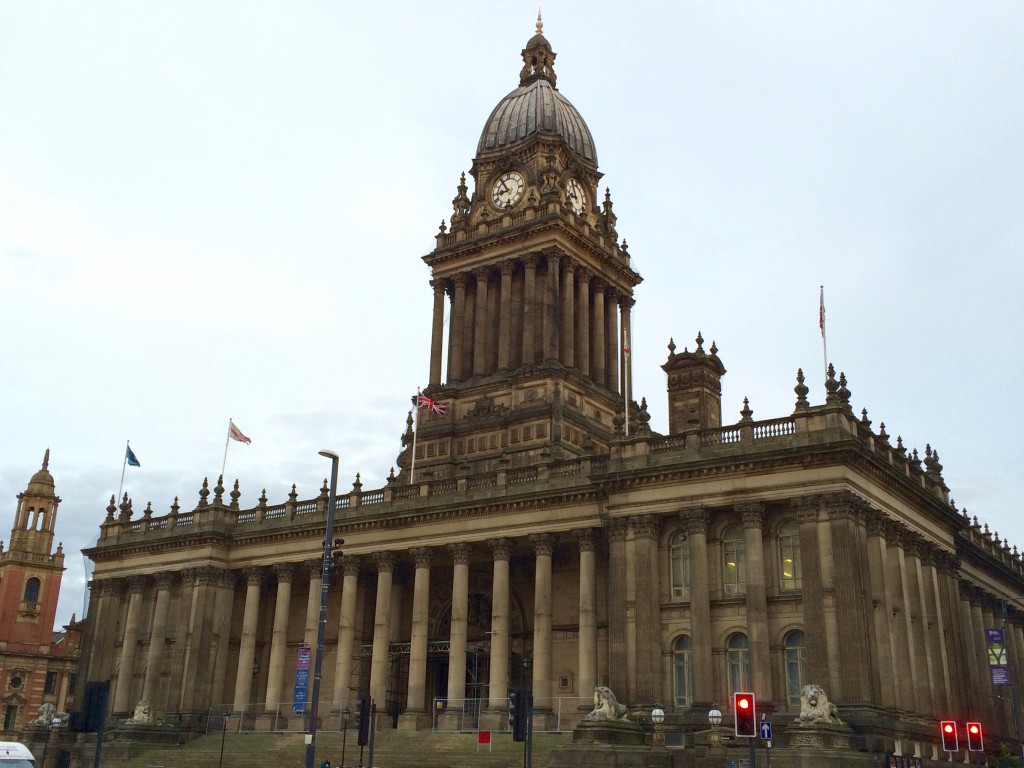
[41, 483]
[536, 107]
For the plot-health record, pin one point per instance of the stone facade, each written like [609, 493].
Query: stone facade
[539, 533]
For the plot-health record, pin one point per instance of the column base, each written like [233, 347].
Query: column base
[411, 720]
[271, 721]
[494, 720]
[450, 720]
[240, 721]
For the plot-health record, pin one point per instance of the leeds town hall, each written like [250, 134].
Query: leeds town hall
[539, 533]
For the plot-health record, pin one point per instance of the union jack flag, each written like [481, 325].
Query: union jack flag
[431, 405]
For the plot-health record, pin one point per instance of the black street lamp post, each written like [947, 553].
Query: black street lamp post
[344, 732]
[325, 583]
[223, 736]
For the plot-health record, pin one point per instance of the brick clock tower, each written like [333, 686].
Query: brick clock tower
[538, 289]
[33, 667]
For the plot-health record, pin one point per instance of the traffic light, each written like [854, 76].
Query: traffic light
[337, 555]
[363, 710]
[949, 741]
[518, 714]
[975, 738]
[746, 717]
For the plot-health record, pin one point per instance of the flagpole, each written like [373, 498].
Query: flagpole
[124, 463]
[415, 429]
[821, 319]
[227, 439]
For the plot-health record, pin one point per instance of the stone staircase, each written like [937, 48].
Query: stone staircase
[393, 749]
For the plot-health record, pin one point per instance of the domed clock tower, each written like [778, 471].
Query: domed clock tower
[534, 363]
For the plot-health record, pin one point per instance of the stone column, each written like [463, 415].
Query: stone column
[881, 613]
[279, 636]
[845, 510]
[437, 332]
[415, 708]
[480, 323]
[931, 623]
[530, 313]
[459, 628]
[346, 631]
[695, 522]
[648, 614]
[315, 570]
[456, 330]
[157, 635]
[129, 647]
[196, 612]
[501, 550]
[901, 632]
[946, 565]
[583, 321]
[598, 370]
[551, 310]
[587, 540]
[918, 625]
[611, 337]
[105, 602]
[816, 643]
[381, 628]
[224, 598]
[752, 514]
[247, 644]
[568, 315]
[618, 677]
[544, 547]
[505, 317]
[972, 660]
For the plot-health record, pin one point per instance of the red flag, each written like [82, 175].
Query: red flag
[236, 434]
[431, 405]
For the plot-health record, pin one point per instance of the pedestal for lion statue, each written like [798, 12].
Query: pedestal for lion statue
[819, 726]
[609, 738]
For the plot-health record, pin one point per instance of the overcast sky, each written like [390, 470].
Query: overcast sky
[214, 210]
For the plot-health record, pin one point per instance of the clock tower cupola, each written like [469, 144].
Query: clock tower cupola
[533, 361]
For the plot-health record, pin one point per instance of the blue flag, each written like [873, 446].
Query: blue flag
[130, 457]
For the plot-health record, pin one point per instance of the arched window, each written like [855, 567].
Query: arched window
[789, 555]
[682, 671]
[680, 554]
[734, 558]
[738, 658]
[31, 591]
[796, 666]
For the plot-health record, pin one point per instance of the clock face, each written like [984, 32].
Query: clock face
[575, 196]
[508, 189]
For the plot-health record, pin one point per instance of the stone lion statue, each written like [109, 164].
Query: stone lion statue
[143, 714]
[606, 706]
[816, 708]
[47, 712]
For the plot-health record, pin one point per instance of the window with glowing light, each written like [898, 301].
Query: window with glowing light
[734, 557]
[789, 555]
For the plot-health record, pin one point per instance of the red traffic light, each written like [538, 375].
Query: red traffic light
[947, 729]
[975, 738]
[746, 721]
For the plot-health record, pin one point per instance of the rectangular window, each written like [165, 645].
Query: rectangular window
[50, 686]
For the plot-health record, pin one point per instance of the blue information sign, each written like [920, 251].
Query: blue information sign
[766, 730]
[301, 681]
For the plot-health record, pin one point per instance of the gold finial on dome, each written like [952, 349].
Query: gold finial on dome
[540, 22]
